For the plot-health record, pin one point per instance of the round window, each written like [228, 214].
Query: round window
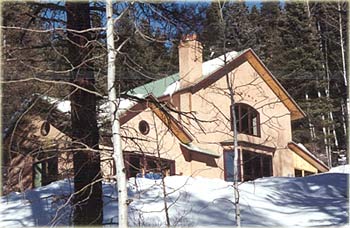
[45, 128]
[144, 127]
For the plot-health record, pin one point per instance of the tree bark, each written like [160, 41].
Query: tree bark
[116, 137]
[88, 204]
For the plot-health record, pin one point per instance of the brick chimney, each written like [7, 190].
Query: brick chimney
[190, 60]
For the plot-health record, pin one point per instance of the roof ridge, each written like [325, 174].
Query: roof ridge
[157, 88]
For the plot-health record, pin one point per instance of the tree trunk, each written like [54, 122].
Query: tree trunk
[116, 138]
[342, 44]
[87, 200]
[311, 126]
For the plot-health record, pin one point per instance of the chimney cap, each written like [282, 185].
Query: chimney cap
[189, 37]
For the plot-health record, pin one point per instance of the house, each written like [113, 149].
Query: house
[182, 124]
[35, 145]
[192, 134]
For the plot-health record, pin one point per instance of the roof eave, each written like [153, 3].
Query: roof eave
[308, 157]
[275, 85]
[250, 56]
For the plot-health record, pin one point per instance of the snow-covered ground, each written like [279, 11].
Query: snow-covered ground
[319, 200]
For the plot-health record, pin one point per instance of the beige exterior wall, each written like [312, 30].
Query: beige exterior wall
[27, 142]
[212, 109]
[301, 164]
[159, 139]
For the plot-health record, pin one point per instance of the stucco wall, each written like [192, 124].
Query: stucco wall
[212, 109]
[301, 164]
[27, 143]
[213, 103]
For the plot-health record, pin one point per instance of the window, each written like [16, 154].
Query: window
[228, 164]
[143, 127]
[298, 173]
[45, 128]
[307, 173]
[247, 119]
[251, 166]
[45, 171]
[256, 165]
[140, 165]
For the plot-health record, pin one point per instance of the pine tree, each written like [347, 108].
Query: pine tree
[329, 21]
[213, 34]
[88, 203]
[238, 26]
[304, 77]
[255, 34]
[270, 17]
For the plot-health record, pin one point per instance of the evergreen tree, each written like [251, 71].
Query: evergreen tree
[213, 34]
[238, 27]
[270, 18]
[88, 203]
[301, 74]
[255, 33]
[331, 27]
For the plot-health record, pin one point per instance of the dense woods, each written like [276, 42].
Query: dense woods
[304, 44]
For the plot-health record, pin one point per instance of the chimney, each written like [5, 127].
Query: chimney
[190, 60]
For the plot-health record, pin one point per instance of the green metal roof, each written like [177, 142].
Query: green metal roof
[157, 88]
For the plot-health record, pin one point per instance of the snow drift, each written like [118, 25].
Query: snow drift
[318, 200]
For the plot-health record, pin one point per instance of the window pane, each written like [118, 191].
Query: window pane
[229, 165]
[134, 166]
[256, 165]
[267, 165]
[152, 166]
[298, 173]
[244, 120]
[237, 118]
[307, 173]
[37, 174]
[247, 119]
[254, 124]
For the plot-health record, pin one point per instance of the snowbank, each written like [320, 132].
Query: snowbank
[341, 169]
[318, 200]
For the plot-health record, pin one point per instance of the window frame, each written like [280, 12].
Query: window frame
[145, 160]
[251, 158]
[251, 113]
[226, 171]
[242, 176]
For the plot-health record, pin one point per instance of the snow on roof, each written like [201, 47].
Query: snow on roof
[171, 84]
[213, 65]
[123, 104]
[309, 153]
[61, 105]
[172, 88]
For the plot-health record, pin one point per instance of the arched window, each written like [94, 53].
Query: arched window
[247, 118]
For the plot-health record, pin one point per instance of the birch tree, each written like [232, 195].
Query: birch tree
[113, 105]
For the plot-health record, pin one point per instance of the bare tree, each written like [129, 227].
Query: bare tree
[114, 115]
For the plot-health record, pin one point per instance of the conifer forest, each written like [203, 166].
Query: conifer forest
[61, 50]
[304, 44]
